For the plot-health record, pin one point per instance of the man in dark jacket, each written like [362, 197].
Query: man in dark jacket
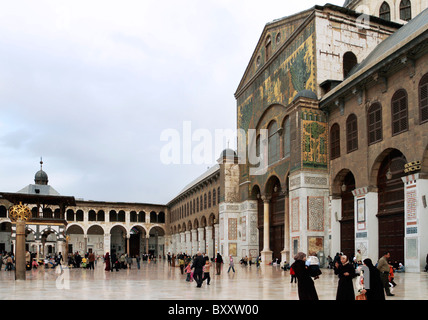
[218, 262]
[198, 264]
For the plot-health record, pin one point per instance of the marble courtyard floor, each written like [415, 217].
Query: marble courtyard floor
[158, 281]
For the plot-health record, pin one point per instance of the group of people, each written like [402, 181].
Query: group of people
[117, 262]
[375, 280]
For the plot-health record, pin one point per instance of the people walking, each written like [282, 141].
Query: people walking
[346, 272]
[198, 264]
[383, 267]
[293, 276]
[305, 284]
[138, 259]
[218, 262]
[231, 264]
[107, 261]
[206, 270]
[91, 261]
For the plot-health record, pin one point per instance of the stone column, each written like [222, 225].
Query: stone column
[266, 252]
[195, 246]
[216, 239]
[285, 254]
[20, 251]
[209, 241]
[202, 247]
[188, 247]
[182, 242]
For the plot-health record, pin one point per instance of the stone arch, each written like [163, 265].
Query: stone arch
[272, 182]
[95, 226]
[374, 172]
[336, 187]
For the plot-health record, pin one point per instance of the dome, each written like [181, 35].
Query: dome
[308, 94]
[228, 153]
[41, 177]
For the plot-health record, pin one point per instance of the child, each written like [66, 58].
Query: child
[206, 270]
[313, 265]
[293, 276]
[188, 270]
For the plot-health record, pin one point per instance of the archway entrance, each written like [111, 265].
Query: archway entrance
[347, 223]
[391, 205]
[137, 236]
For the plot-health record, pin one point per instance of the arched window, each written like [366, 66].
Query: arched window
[268, 47]
[101, 215]
[197, 204]
[209, 199]
[113, 216]
[374, 123]
[405, 10]
[3, 212]
[201, 203]
[385, 11]
[142, 216]
[121, 216]
[349, 62]
[92, 216]
[214, 197]
[205, 201]
[335, 141]
[79, 215]
[351, 133]
[399, 112]
[423, 99]
[273, 142]
[153, 217]
[287, 140]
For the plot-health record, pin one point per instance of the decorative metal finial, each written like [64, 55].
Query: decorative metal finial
[41, 163]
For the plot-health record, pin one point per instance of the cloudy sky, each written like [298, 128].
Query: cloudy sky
[92, 86]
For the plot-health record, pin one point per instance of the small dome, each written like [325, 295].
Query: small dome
[306, 94]
[41, 177]
[228, 153]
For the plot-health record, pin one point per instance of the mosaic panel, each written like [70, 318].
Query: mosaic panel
[233, 228]
[316, 213]
[295, 225]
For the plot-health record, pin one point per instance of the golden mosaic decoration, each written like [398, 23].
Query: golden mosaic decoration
[19, 212]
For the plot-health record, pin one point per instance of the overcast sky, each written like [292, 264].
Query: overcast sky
[90, 86]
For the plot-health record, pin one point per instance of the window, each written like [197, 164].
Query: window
[273, 142]
[405, 10]
[268, 48]
[423, 99]
[214, 197]
[205, 201]
[349, 62]
[287, 142]
[351, 133]
[335, 141]
[399, 113]
[209, 199]
[385, 12]
[374, 118]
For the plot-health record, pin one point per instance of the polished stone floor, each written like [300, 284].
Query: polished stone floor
[158, 281]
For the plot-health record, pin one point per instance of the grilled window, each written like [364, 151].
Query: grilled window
[385, 11]
[351, 133]
[399, 112]
[405, 10]
[423, 99]
[374, 118]
[335, 141]
[287, 142]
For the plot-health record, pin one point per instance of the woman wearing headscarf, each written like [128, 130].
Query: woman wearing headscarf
[107, 261]
[305, 284]
[375, 289]
[346, 273]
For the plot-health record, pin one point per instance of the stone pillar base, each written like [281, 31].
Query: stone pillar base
[266, 257]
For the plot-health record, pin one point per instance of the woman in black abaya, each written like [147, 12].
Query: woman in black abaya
[305, 284]
[373, 291]
[346, 273]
